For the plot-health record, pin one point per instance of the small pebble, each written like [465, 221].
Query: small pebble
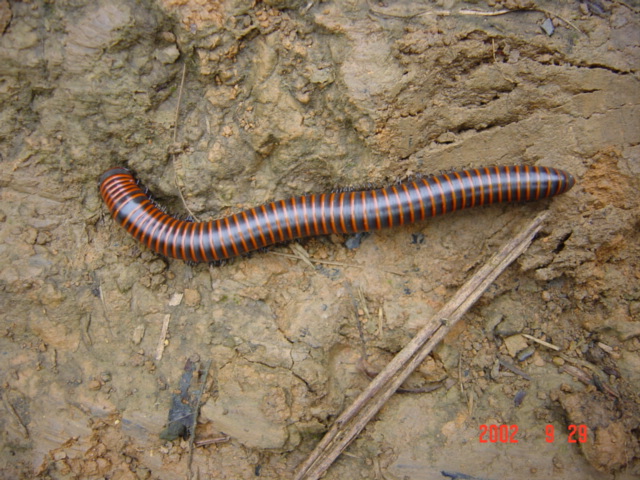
[547, 27]
[95, 385]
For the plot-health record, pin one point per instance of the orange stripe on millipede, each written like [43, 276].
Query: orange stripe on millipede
[507, 174]
[187, 243]
[352, 203]
[412, 217]
[117, 210]
[560, 183]
[245, 217]
[463, 194]
[192, 245]
[211, 246]
[218, 228]
[157, 224]
[256, 218]
[518, 184]
[400, 212]
[184, 237]
[538, 184]
[499, 183]
[203, 252]
[178, 234]
[490, 184]
[283, 204]
[169, 239]
[454, 200]
[443, 200]
[422, 209]
[242, 241]
[473, 188]
[138, 223]
[343, 226]
[314, 215]
[132, 218]
[279, 231]
[365, 220]
[230, 237]
[267, 224]
[332, 212]
[323, 214]
[305, 216]
[431, 196]
[376, 209]
[296, 217]
[145, 223]
[160, 245]
[389, 213]
[548, 192]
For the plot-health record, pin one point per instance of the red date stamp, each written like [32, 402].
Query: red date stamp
[498, 433]
[576, 434]
[508, 434]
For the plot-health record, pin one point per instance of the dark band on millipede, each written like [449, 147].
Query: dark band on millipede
[311, 215]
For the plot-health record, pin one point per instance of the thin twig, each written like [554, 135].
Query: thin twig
[511, 367]
[104, 310]
[368, 403]
[477, 13]
[175, 139]
[177, 115]
[163, 337]
[196, 412]
[493, 13]
[542, 342]
[212, 441]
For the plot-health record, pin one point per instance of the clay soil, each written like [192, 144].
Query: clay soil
[221, 105]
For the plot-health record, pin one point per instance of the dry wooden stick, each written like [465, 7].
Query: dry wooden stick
[371, 400]
[196, 412]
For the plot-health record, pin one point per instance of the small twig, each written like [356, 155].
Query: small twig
[301, 254]
[477, 13]
[196, 412]
[175, 139]
[624, 4]
[163, 337]
[368, 403]
[85, 330]
[494, 13]
[104, 310]
[514, 369]
[542, 342]
[177, 115]
[211, 441]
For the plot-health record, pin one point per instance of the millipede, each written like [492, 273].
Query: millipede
[320, 214]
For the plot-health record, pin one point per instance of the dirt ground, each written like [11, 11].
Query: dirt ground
[229, 104]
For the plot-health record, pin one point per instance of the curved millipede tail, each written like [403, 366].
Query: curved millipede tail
[322, 214]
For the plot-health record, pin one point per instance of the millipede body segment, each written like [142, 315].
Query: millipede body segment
[321, 214]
